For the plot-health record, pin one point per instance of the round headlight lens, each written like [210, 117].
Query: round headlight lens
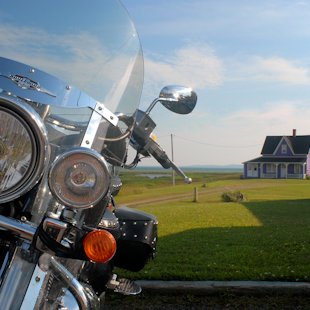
[16, 145]
[79, 178]
[23, 149]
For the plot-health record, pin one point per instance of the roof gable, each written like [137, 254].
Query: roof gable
[284, 148]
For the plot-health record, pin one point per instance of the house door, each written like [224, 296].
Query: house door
[252, 171]
[283, 171]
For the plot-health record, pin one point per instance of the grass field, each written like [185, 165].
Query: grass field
[266, 237]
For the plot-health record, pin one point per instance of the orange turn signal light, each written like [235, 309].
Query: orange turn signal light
[99, 246]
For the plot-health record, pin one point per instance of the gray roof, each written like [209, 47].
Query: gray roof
[299, 144]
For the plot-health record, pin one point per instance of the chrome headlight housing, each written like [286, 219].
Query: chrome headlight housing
[79, 178]
[23, 148]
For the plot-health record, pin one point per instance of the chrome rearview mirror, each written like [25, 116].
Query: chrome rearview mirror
[178, 99]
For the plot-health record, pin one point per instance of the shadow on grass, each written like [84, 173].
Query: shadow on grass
[165, 301]
[281, 212]
[277, 250]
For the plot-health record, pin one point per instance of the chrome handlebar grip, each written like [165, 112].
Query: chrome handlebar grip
[180, 172]
[160, 155]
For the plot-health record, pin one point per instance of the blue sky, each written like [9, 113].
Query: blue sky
[248, 61]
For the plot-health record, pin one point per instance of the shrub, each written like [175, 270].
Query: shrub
[235, 196]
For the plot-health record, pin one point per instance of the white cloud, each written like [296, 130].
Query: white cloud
[196, 66]
[271, 113]
[237, 138]
[274, 119]
[80, 58]
[63, 55]
[274, 69]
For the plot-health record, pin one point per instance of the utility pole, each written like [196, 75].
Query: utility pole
[173, 175]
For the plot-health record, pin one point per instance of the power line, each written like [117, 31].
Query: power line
[217, 145]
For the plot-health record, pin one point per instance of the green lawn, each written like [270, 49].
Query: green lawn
[266, 237]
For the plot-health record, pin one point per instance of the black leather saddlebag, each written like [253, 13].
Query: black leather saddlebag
[137, 243]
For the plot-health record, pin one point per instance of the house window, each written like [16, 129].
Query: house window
[270, 168]
[283, 149]
[297, 169]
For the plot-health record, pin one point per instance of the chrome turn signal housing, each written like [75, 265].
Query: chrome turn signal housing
[79, 178]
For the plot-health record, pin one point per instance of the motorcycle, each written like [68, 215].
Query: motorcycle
[61, 152]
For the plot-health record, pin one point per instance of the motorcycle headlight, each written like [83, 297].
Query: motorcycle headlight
[23, 148]
[79, 178]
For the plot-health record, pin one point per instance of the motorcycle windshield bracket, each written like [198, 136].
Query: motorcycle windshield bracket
[99, 112]
[106, 113]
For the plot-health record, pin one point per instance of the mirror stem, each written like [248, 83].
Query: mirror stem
[147, 112]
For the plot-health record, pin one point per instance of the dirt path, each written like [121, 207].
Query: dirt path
[190, 195]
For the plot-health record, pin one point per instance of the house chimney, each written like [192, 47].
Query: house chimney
[294, 132]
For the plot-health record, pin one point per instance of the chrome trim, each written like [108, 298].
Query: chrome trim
[55, 227]
[68, 302]
[81, 150]
[106, 113]
[5, 263]
[34, 289]
[99, 112]
[26, 83]
[58, 93]
[91, 130]
[18, 228]
[16, 281]
[30, 116]
[85, 301]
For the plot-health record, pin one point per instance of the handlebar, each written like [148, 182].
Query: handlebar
[160, 155]
[145, 145]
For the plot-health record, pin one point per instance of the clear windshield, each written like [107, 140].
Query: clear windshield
[90, 45]
[63, 57]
